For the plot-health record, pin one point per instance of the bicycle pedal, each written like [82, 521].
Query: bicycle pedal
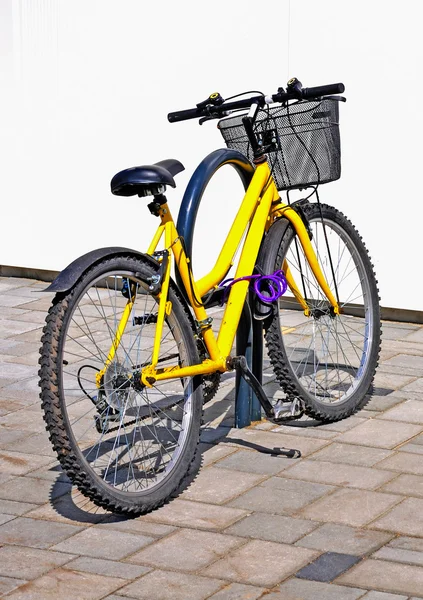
[288, 410]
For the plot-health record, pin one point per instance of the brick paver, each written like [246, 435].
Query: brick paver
[248, 523]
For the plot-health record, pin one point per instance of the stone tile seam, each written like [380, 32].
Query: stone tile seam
[154, 543]
[227, 585]
[284, 578]
[198, 571]
[366, 524]
[316, 525]
[288, 475]
[359, 586]
[385, 512]
[28, 473]
[397, 475]
[398, 562]
[379, 447]
[53, 567]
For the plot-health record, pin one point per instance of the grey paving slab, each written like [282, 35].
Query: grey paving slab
[410, 447]
[410, 411]
[62, 583]
[270, 440]
[350, 507]
[187, 550]
[382, 403]
[408, 485]
[165, 585]
[211, 453]
[20, 463]
[345, 475]
[73, 509]
[387, 577]
[29, 563]
[238, 591]
[4, 518]
[102, 543]
[27, 392]
[108, 568]
[380, 434]
[302, 428]
[10, 328]
[403, 462]
[252, 461]
[9, 436]
[331, 537]
[12, 300]
[255, 562]
[33, 444]
[280, 496]
[197, 515]
[410, 557]
[35, 491]
[406, 518]
[271, 527]
[351, 455]
[10, 507]
[407, 543]
[392, 381]
[415, 336]
[383, 596]
[342, 426]
[415, 386]
[300, 589]
[406, 362]
[7, 584]
[217, 486]
[35, 534]
[138, 526]
[327, 567]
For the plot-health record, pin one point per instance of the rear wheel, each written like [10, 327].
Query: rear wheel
[125, 445]
[326, 360]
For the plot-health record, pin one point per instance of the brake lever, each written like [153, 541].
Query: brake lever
[204, 119]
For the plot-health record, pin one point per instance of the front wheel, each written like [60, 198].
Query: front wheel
[326, 360]
[125, 445]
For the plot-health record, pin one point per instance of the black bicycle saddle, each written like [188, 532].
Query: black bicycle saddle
[147, 180]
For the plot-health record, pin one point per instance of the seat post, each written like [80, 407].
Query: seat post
[155, 206]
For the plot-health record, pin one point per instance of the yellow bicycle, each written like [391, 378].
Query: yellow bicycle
[129, 354]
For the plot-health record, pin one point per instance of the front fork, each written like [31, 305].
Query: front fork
[303, 235]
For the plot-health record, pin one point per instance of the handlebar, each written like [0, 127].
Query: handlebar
[294, 92]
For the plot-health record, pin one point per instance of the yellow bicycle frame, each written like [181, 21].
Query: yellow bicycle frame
[260, 207]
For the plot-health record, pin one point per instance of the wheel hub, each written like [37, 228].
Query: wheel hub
[122, 387]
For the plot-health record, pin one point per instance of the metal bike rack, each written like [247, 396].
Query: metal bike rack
[249, 338]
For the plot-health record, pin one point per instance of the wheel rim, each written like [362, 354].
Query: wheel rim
[328, 353]
[130, 436]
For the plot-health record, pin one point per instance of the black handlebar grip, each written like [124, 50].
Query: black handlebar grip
[323, 90]
[184, 115]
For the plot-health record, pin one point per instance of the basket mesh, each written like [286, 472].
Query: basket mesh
[305, 135]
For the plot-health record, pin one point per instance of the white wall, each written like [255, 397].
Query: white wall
[87, 85]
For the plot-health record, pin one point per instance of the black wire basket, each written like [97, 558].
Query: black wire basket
[302, 141]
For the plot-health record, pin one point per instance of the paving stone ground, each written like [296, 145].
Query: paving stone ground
[343, 522]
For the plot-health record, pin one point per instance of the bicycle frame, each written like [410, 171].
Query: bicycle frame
[260, 207]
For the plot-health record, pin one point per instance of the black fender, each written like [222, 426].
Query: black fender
[71, 274]
[266, 259]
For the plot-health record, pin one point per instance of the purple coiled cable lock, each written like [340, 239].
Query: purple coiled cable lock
[275, 283]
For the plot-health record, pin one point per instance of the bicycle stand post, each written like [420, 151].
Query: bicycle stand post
[249, 343]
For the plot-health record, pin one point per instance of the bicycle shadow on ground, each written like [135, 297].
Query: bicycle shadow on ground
[74, 506]
[68, 502]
